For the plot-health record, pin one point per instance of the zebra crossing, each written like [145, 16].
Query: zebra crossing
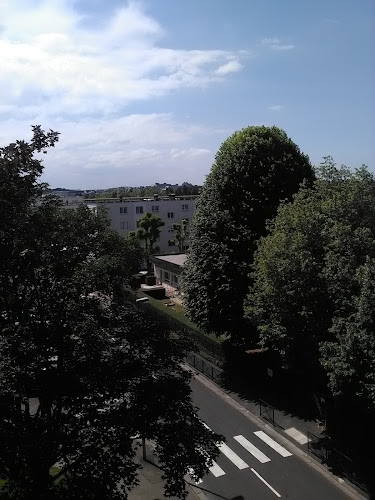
[259, 436]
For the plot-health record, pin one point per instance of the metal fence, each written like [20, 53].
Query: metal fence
[204, 366]
[318, 446]
[339, 463]
[267, 411]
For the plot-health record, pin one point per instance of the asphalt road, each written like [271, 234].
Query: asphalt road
[261, 473]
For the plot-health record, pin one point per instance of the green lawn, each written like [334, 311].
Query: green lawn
[177, 312]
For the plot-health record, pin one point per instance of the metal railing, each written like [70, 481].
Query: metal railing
[204, 366]
[337, 461]
[267, 411]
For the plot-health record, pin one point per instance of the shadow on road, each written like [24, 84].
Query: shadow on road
[346, 447]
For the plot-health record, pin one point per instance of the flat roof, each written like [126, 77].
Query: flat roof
[178, 259]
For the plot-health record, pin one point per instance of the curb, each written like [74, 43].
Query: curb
[199, 494]
[308, 459]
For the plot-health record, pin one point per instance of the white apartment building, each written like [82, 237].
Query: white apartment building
[125, 213]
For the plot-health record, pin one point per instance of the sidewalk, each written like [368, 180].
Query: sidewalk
[151, 485]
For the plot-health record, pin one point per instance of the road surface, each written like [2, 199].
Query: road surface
[253, 464]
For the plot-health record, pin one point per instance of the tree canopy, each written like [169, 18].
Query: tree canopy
[314, 281]
[254, 170]
[82, 374]
[185, 189]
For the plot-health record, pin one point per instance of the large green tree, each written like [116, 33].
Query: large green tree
[254, 170]
[81, 373]
[314, 284]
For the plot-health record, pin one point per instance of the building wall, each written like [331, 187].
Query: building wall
[168, 280]
[125, 214]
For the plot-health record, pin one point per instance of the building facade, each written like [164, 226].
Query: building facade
[125, 213]
[167, 270]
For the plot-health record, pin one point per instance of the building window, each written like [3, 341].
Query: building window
[170, 229]
[123, 210]
[167, 277]
[155, 208]
[174, 279]
[139, 210]
[123, 225]
[171, 243]
[185, 207]
[170, 215]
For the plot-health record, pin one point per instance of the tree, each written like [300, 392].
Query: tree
[81, 372]
[186, 188]
[313, 281]
[288, 299]
[349, 358]
[181, 233]
[254, 170]
[148, 232]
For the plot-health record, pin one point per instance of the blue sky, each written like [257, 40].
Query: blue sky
[146, 92]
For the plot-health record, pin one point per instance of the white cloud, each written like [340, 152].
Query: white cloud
[61, 73]
[70, 69]
[276, 107]
[130, 150]
[276, 44]
[229, 67]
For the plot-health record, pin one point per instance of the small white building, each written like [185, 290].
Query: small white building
[125, 213]
[167, 270]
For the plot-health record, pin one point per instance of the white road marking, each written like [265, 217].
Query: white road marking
[216, 470]
[273, 444]
[233, 457]
[297, 435]
[265, 482]
[252, 449]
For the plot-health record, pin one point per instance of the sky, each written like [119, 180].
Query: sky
[146, 91]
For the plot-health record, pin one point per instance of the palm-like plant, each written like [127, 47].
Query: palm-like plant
[148, 232]
[181, 233]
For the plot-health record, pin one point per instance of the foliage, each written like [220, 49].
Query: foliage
[314, 282]
[148, 233]
[185, 189]
[81, 374]
[19, 175]
[181, 234]
[254, 170]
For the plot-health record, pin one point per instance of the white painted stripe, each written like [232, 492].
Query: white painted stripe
[252, 449]
[233, 457]
[273, 444]
[297, 435]
[267, 484]
[216, 470]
